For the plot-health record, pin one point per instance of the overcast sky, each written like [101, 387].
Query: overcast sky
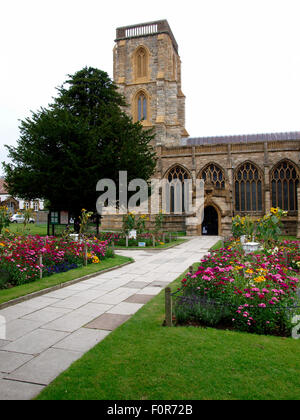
[240, 58]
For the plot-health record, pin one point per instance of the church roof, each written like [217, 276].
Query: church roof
[246, 138]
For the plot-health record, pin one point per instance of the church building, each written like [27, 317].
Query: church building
[245, 175]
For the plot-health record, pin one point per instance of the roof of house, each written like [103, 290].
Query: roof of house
[247, 138]
[2, 187]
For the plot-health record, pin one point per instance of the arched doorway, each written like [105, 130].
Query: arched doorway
[210, 225]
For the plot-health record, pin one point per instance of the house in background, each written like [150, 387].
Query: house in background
[16, 204]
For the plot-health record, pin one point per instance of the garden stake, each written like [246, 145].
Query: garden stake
[85, 254]
[191, 269]
[168, 307]
[41, 263]
[126, 241]
[153, 240]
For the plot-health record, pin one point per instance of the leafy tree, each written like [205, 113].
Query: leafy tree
[83, 136]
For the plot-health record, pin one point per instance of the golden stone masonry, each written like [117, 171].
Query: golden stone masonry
[245, 174]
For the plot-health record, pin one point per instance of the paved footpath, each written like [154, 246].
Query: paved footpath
[45, 335]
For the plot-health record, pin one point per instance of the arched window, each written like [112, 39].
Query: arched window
[284, 183]
[141, 107]
[141, 63]
[177, 175]
[248, 184]
[213, 174]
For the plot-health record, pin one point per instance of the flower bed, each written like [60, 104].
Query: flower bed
[20, 257]
[255, 293]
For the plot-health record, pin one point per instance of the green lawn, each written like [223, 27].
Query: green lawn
[218, 245]
[142, 360]
[31, 229]
[25, 289]
[289, 238]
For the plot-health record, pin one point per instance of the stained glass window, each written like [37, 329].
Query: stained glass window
[284, 183]
[248, 189]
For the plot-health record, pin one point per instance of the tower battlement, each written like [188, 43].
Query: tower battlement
[146, 29]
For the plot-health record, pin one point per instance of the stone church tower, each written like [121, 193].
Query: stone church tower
[147, 70]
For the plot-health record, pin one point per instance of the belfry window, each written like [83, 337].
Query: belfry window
[248, 184]
[284, 184]
[141, 63]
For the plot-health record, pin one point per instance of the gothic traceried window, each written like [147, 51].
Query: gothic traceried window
[141, 63]
[248, 183]
[213, 174]
[177, 173]
[284, 183]
[142, 107]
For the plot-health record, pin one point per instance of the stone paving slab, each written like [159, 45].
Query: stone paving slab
[82, 340]
[72, 302]
[12, 390]
[35, 342]
[16, 311]
[91, 294]
[150, 291]
[46, 367]
[70, 322]
[40, 302]
[19, 327]
[93, 310]
[116, 296]
[108, 322]
[45, 315]
[62, 293]
[139, 299]
[125, 308]
[81, 287]
[136, 284]
[159, 283]
[4, 342]
[10, 361]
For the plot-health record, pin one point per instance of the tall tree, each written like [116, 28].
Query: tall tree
[82, 137]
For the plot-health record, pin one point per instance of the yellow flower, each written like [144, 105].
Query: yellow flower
[2, 244]
[260, 279]
[249, 271]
